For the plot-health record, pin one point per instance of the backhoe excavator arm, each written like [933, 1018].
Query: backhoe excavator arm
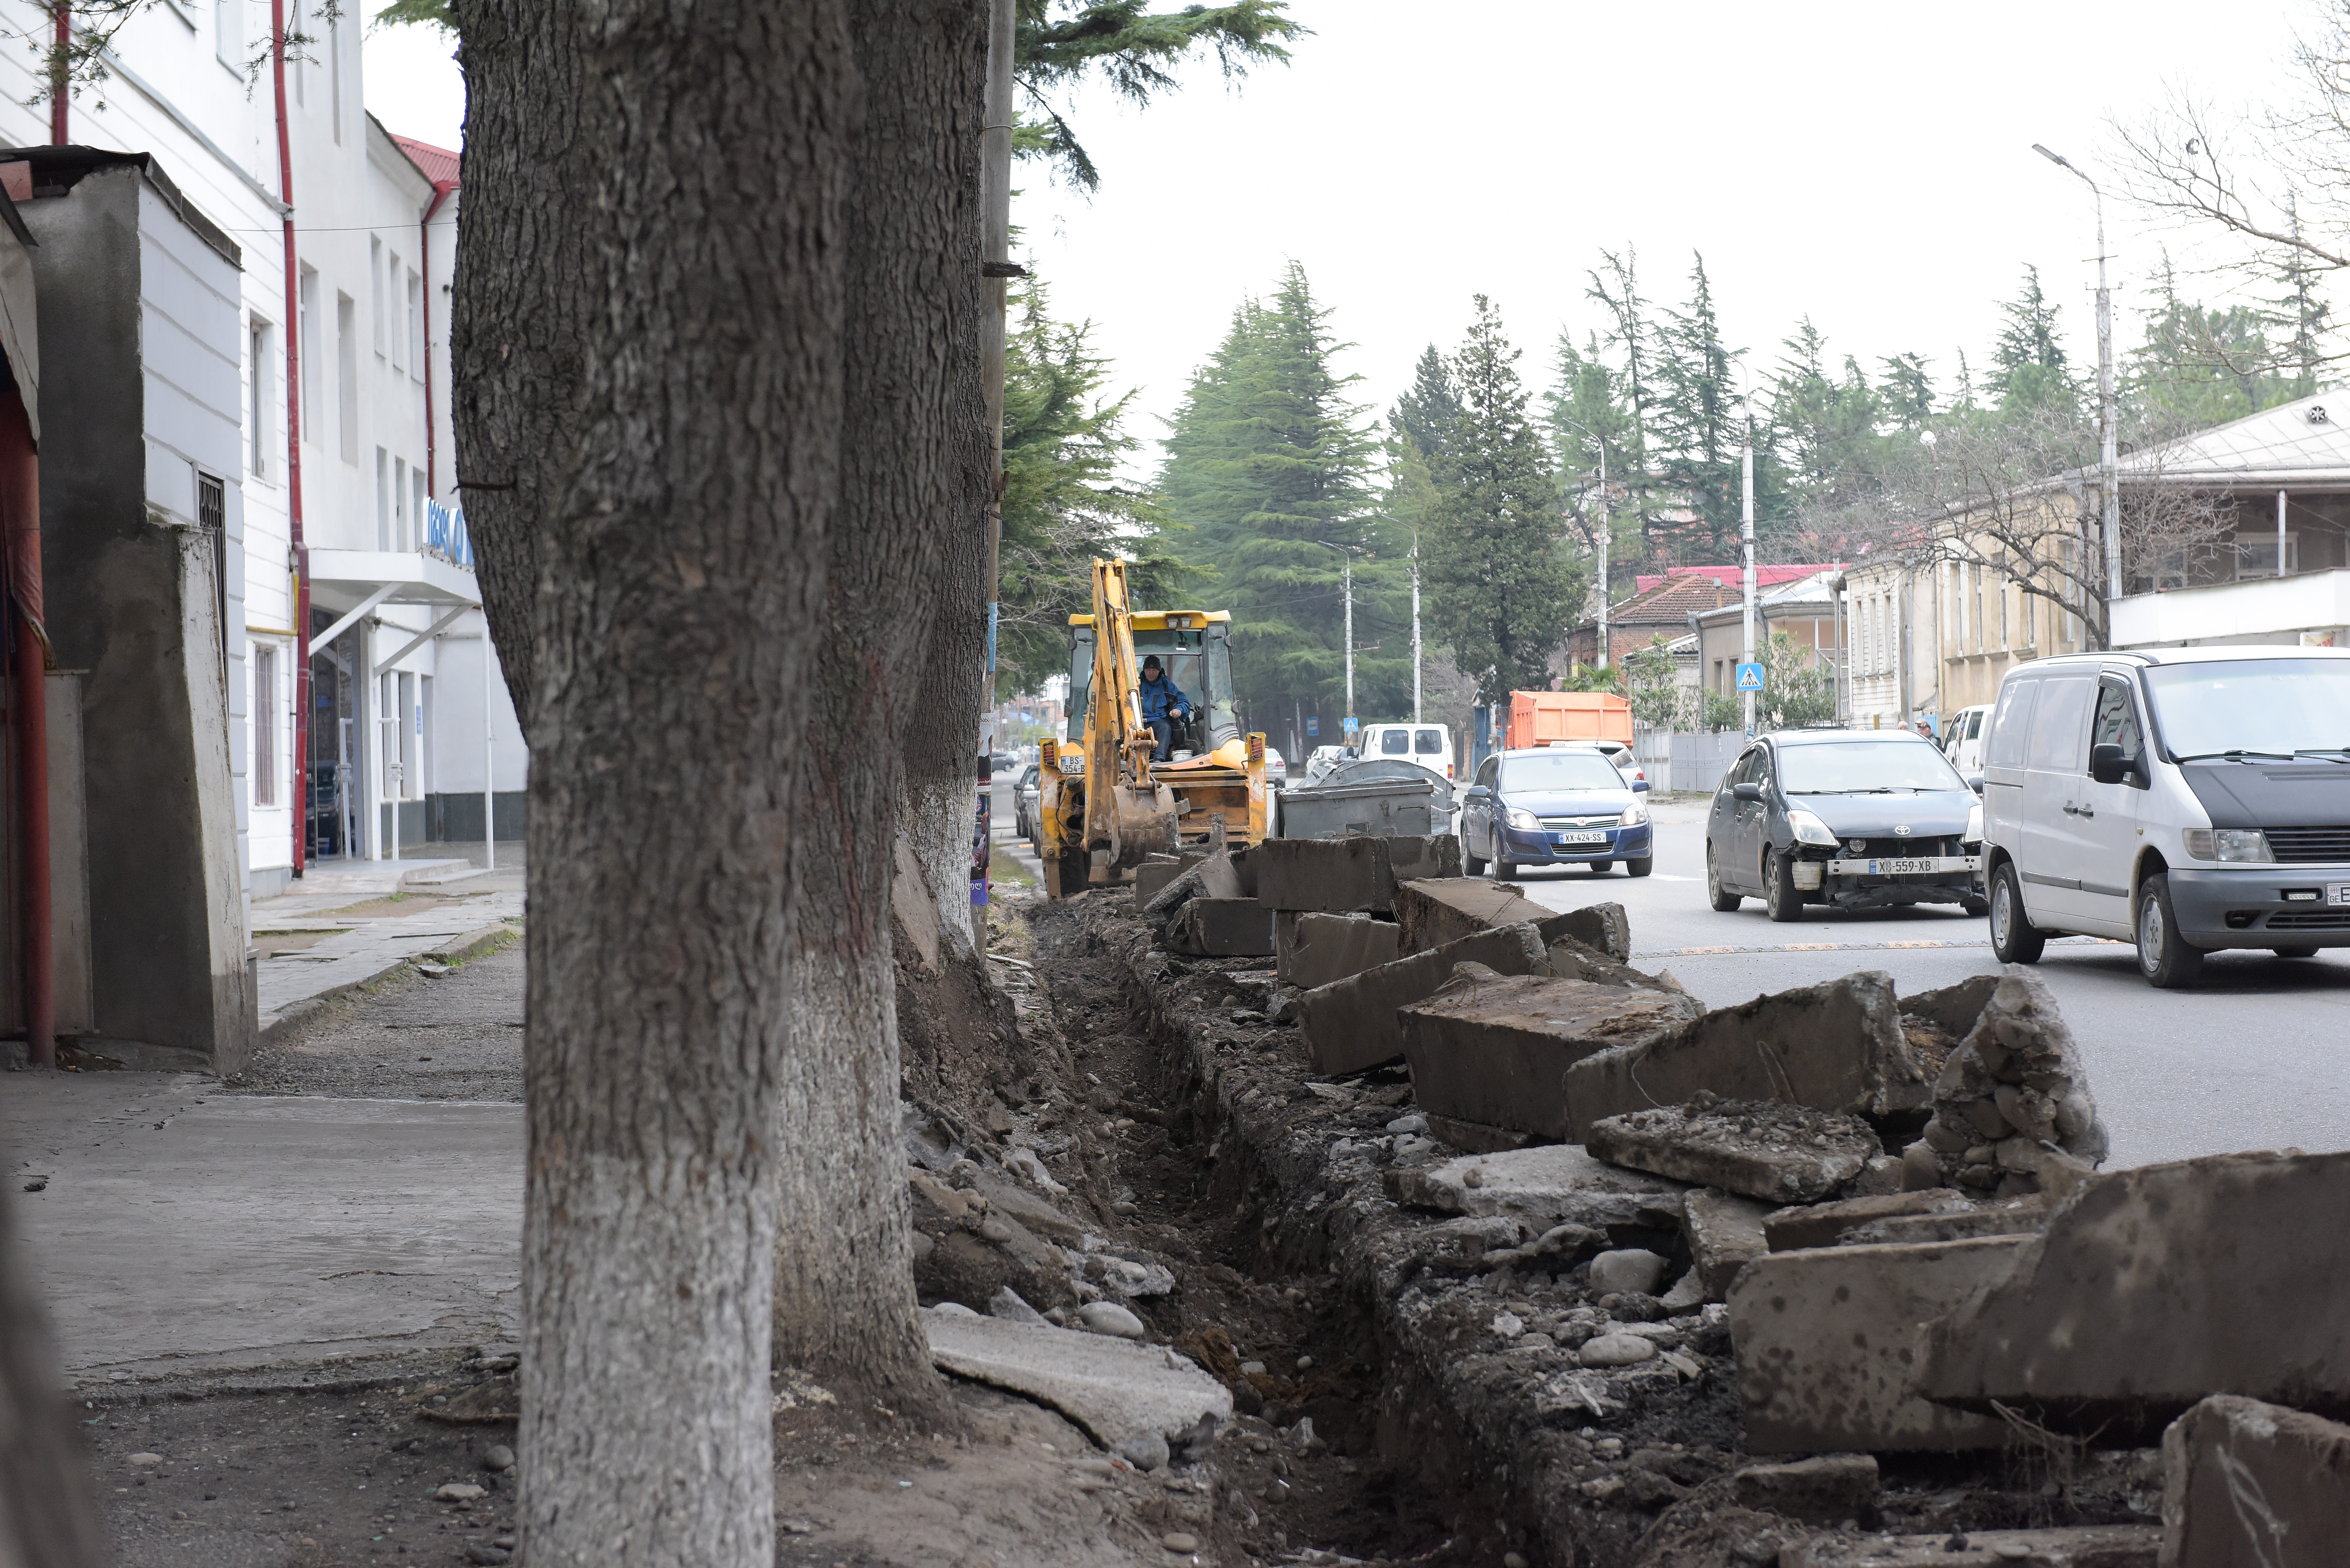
[1119, 758]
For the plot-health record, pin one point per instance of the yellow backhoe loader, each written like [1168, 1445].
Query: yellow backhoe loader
[1104, 805]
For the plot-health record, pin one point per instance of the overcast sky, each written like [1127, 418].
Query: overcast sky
[1867, 164]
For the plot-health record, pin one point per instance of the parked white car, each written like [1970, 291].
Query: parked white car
[2186, 799]
[1962, 742]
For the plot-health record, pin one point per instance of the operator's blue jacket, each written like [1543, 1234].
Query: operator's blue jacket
[1161, 700]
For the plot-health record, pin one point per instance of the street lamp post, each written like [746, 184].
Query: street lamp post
[1346, 552]
[1746, 551]
[2107, 436]
[1602, 445]
[1415, 625]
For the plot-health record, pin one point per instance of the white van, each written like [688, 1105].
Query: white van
[1962, 743]
[2185, 799]
[1430, 745]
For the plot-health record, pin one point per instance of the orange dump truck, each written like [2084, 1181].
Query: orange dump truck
[1548, 718]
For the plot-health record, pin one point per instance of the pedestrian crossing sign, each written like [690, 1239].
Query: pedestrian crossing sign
[1750, 677]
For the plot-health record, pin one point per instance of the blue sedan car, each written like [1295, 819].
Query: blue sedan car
[1543, 807]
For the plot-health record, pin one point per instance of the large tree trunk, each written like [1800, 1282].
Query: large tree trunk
[915, 484]
[47, 1516]
[662, 611]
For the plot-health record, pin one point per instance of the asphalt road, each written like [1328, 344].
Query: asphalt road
[2257, 1057]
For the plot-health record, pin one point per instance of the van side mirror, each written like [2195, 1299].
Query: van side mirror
[1749, 791]
[2108, 765]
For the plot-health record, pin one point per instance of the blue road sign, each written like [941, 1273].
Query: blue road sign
[1750, 677]
[1350, 725]
[1313, 726]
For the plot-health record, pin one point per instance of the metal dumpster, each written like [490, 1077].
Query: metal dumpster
[1385, 797]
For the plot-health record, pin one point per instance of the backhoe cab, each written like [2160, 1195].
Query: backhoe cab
[1104, 805]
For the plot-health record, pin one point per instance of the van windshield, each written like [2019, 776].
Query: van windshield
[1864, 767]
[2256, 708]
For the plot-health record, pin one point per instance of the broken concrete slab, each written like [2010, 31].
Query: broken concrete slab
[1603, 928]
[1828, 1490]
[2247, 1482]
[2026, 1216]
[1435, 911]
[2011, 1108]
[1756, 1149]
[1117, 1390]
[1350, 1025]
[1475, 1136]
[1835, 1046]
[1340, 876]
[1826, 1342]
[1725, 1234]
[1540, 1188]
[1222, 928]
[1823, 1224]
[2153, 1287]
[1495, 1049]
[1314, 949]
[1150, 880]
[2090, 1546]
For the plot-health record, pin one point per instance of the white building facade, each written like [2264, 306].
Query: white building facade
[395, 618]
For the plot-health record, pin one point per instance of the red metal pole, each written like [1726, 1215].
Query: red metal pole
[20, 510]
[299, 550]
[424, 262]
[59, 98]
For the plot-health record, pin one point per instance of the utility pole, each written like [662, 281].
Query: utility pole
[2108, 435]
[1416, 624]
[1746, 548]
[1348, 577]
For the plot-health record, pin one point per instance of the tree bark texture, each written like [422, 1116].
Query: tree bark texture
[913, 491]
[47, 1517]
[657, 591]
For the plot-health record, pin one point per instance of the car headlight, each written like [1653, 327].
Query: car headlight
[1809, 829]
[1524, 820]
[1634, 814]
[2228, 843]
[1973, 835]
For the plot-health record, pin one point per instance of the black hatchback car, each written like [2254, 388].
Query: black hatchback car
[1857, 820]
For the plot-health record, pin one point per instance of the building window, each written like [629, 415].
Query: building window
[375, 289]
[416, 345]
[258, 402]
[2256, 555]
[417, 498]
[347, 377]
[335, 69]
[307, 368]
[403, 525]
[228, 33]
[384, 538]
[265, 723]
[293, 59]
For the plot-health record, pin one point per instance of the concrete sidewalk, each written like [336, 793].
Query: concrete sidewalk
[367, 936]
[177, 1231]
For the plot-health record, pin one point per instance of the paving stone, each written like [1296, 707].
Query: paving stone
[1435, 911]
[1115, 1389]
[1222, 928]
[1828, 1490]
[1350, 1025]
[2246, 1482]
[1826, 1339]
[1495, 1049]
[1822, 1224]
[1778, 1153]
[2094, 1546]
[1540, 1188]
[1835, 1046]
[1725, 1234]
[1313, 948]
[2153, 1287]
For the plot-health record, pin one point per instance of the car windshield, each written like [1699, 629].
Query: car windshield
[2256, 708]
[1561, 770]
[1865, 767]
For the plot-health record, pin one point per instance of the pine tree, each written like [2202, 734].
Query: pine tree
[2201, 365]
[1501, 591]
[1907, 391]
[1267, 472]
[1696, 429]
[1062, 505]
[2031, 370]
[1632, 335]
[2302, 314]
[1586, 414]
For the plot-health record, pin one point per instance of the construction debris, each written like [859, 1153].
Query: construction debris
[1494, 1048]
[1725, 1234]
[1350, 1025]
[1826, 1224]
[2153, 1287]
[2012, 1110]
[1835, 1046]
[1756, 1149]
[1440, 909]
[1222, 928]
[1828, 1490]
[2094, 1546]
[1312, 949]
[1120, 1392]
[2245, 1483]
[1340, 876]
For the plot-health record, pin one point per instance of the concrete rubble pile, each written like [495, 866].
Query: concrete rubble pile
[1603, 1209]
